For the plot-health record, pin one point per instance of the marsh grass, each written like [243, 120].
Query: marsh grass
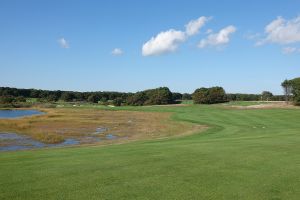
[48, 138]
[61, 123]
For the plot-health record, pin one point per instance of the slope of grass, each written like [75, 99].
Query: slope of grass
[245, 103]
[246, 154]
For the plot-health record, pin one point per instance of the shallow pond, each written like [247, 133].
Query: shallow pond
[5, 114]
[13, 141]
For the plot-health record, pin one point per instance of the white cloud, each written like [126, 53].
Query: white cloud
[63, 43]
[193, 27]
[163, 42]
[117, 52]
[282, 31]
[252, 36]
[208, 31]
[168, 41]
[217, 39]
[289, 50]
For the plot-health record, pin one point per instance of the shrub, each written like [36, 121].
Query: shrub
[296, 90]
[209, 95]
[158, 96]
[117, 101]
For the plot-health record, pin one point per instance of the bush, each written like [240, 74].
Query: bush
[266, 95]
[117, 101]
[158, 96]
[93, 99]
[6, 99]
[186, 96]
[209, 95]
[67, 96]
[296, 90]
[138, 99]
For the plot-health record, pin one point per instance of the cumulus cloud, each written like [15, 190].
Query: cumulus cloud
[290, 50]
[117, 52]
[282, 31]
[252, 36]
[193, 27]
[208, 31]
[168, 41]
[163, 42]
[63, 43]
[217, 39]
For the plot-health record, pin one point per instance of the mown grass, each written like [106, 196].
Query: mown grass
[246, 154]
[245, 103]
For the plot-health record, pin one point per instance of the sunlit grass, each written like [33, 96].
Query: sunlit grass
[245, 154]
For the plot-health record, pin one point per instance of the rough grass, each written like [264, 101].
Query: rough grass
[246, 154]
[245, 103]
[59, 124]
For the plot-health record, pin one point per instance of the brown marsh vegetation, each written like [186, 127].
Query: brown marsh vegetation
[61, 123]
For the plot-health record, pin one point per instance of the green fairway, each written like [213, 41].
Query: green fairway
[245, 154]
[245, 103]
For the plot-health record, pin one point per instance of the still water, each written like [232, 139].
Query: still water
[5, 114]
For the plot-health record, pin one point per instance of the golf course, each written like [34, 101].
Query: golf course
[242, 154]
[150, 100]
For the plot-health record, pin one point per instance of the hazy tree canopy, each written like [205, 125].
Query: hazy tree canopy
[117, 101]
[138, 99]
[67, 96]
[186, 96]
[266, 95]
[93, 98]
[296, 90]
[287, 88]
[51, 96]
[209, 95]
[158, 96]
[176, 96]
[7, 99]
[292, 87]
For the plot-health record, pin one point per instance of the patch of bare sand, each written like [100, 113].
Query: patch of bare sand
[169, 105]
[268, 106]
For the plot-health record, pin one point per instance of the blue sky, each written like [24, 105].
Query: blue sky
[106, 45]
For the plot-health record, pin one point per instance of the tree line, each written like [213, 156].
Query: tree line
[157, 96]
[292, 90]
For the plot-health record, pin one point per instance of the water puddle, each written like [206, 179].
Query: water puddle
[13, 142]
[100, 130]
[111, 137]
[8, 114]
[107, 136]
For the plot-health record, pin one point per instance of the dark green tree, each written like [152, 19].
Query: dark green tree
[93, 98]
[186, 96]
[67, 96]
[7, 99]
[138, 99]
[209, 95]
[117, 101]
[266, 95]
[296, 90]
[287, 88]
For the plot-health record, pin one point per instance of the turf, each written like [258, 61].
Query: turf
[246, 154]
[245, 103]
